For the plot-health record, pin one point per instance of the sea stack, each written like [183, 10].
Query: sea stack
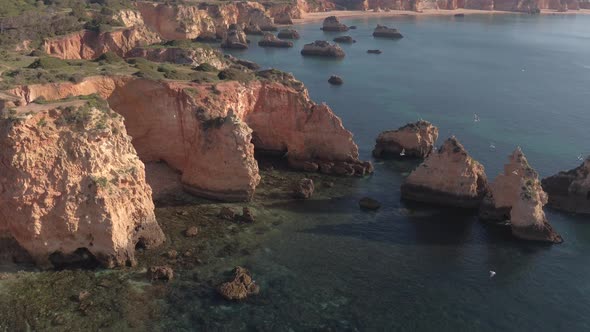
[288, 34]
[323, 48]
[345, 40]
[331, 23]
[448, 177]
[235, 38]
[73, 189]
[570, 190]
[271, 40]
[385, 32]
[253, 29]
[516, 197]
[415, 140]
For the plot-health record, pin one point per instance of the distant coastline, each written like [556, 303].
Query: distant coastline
[318, 16]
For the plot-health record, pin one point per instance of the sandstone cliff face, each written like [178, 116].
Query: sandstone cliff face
[516, 196]
[90, 44]
[416, 140]
[189, 22]
[205, 131]
[178, 55]
[448, 176]
[71, 184]
[570, 190]
[418, 5]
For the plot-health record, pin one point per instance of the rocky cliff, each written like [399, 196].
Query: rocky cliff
[91, 44]
[448, 176]
[178, 55]
[416, 140]
[182, 122]
[516, 197]
[570, 190]
[72, 187]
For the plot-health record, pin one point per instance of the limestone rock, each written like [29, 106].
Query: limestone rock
[88, 44]
[240, 287]
[335, 80]
[416, 140]
[227, 213]
[323, 48]
[448, 177]
[235, 38]
[344, 39]
[288, 34]
[331, 23]
[193, 56]
[253, 29]
[72, 186]
[303, 189]
[283, 19]
[270, 40]
[163, 273]
[383, 31]
[247, 215]
[516, 196]
[192, 231]
[570, 190]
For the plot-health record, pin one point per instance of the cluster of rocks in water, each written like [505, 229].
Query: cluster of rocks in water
[270, 40]
[323, 48]
[385, 32]
[450, 177]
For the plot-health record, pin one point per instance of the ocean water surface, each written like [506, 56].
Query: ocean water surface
[330, 266]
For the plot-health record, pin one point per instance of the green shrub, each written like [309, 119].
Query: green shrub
[232, 74]
[206, 67]
[47, 62]
[110, 58]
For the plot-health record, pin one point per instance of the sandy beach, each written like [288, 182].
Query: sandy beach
[319, 16]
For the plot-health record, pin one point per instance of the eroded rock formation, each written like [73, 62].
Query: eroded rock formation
[516, 197]
[344, 39]
[416, 140]
[90, 44]
[570, 190]
[288, 34]
[180, 122]
[240, 287]
[323, 48]
[447, 177]
[270, 40]
[331, 23]
[72, 187]
[194, 56]
[235, 38]
[385, 32]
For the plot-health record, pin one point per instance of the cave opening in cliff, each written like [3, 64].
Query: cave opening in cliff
[11, 252]
[82, 258]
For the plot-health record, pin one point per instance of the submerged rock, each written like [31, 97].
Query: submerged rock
[415, 140]
[235, 38]
[383, 31]
[303, 189]
[335, 80]
[374, 51]
[459, 15]
[448, 177]
[240, 287]
[288, 34]
[367, 203]
[570, 190]
[271, 40]
[344, 39]
[163, 273]
[331, 23]
[323, 48]
[516, 196]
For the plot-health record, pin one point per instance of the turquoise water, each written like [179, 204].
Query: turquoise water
[414, 268]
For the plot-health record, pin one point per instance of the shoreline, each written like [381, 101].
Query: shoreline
[319, 16]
